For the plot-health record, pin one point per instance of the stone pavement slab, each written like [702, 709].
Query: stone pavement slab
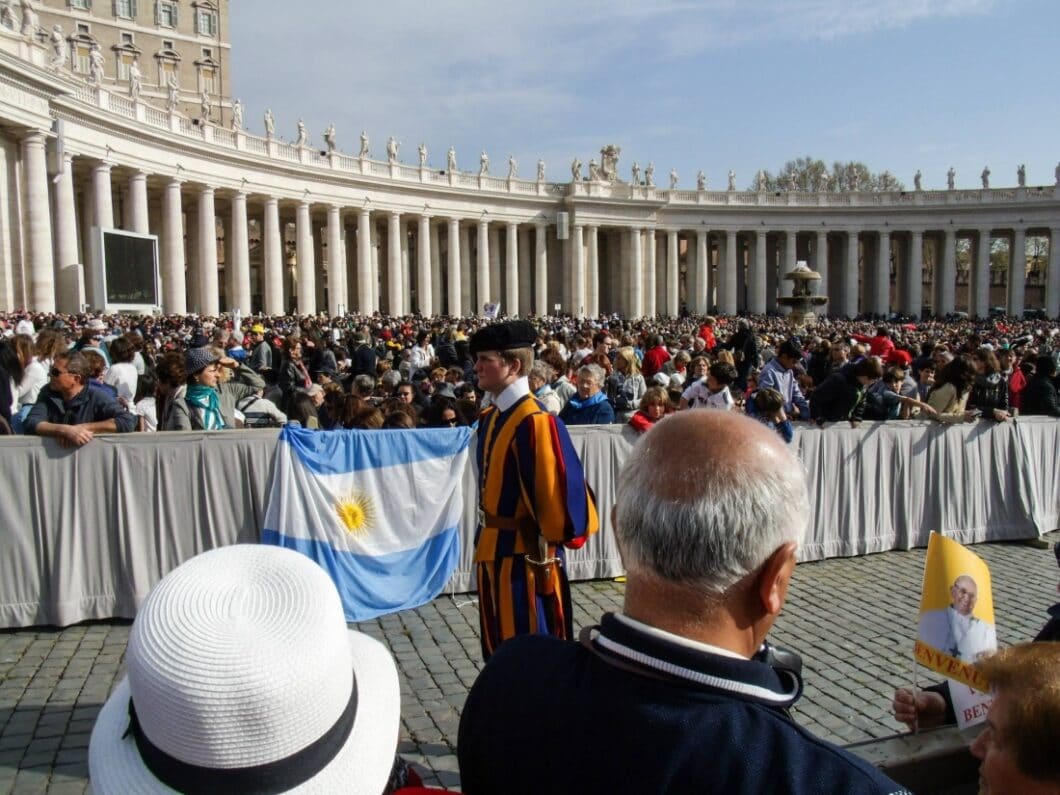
[852, 619]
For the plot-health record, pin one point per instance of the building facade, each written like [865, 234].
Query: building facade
[254, 223]
[184, 41]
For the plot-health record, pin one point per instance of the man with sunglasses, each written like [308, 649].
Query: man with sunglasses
[69, 411]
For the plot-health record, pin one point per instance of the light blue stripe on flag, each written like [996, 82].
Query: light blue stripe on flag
[378, 510]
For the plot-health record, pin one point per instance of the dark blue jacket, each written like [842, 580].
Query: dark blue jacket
[89, 405]
[596, 414]
[550, 716]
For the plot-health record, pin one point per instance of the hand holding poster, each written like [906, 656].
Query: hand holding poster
[957, 624]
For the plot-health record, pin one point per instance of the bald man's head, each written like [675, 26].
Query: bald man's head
[706, 497]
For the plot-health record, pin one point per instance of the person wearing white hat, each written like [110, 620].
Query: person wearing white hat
[243, 677]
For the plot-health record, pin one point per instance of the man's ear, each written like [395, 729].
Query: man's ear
[774, 577]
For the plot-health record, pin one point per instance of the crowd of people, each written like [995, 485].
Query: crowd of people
[122, 373]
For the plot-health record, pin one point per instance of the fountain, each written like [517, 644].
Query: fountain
[802, 299]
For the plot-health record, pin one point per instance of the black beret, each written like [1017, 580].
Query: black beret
[503, 337]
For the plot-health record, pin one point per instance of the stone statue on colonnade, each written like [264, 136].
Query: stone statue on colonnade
[60, 50]
[7, 15]
[673, 179]
[364, 145]
[173, 95]
[1056, 175]
[270, 123]
[423, 155]
[96, 63]
[540, 170]
[576, 170]
[951, 178]
[1021, 175]
[204, 107]
[634, 172]
[649, 175]
[609, 162]
[483, 164]
[985, 176]
[513, 167]
[391, 150]
[701, 180]
[760, 181]
[450, 160]
[303, 135]
[237, 115]
[329, 138]
[135, 79]
[732, 180]
[30, 23]
[916, 180]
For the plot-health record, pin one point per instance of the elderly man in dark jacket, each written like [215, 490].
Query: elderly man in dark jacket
[1039, 397]
[69, 411]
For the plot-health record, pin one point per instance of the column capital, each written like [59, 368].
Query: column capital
[206, 189]
[102, 165]
[35, 137]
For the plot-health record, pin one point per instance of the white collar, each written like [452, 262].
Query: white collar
[669, 637]
[515, 390]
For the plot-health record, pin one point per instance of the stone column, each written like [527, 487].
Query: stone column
[272, 270]
[103, 218]
[467, 281]
[651, 267]
[374, 280]
[307, 289]
[40, 273]
[174, 287]
[914, 296]
[702, 298]
[1052, 276]
[881, 289]
[423, 267]
[820, 264]
[592, 272]
[453, 282]
[526, 294]
[946, 275]
[240, 264]
[364, 257]
[69, 295]
[208, 253]
[1017, 272]
[511, 268]
[435, 282]
[496, 293]
[756, 298]
[482, 266]
[979, 294]
[136, 208]
[406, 272]
[636, 292]
[541, 306]
[577, 271]
[672, 272]
[849, 283]
[727, 280]
[393, 263]
[786, 287]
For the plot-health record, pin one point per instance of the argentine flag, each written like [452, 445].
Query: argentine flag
[379, 510]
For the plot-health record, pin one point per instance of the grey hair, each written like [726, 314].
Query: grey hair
[733, 514]
[543, 371]
[390, 379]
[595, 370]
[364, 382]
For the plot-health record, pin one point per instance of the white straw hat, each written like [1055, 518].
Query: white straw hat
[244, 677]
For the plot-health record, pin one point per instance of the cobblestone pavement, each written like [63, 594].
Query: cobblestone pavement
[852, 619]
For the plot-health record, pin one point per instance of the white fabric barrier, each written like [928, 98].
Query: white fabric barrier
[85, 534]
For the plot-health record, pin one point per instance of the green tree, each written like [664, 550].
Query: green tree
[812, 174]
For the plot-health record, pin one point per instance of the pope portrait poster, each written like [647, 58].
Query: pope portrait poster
[956, 624]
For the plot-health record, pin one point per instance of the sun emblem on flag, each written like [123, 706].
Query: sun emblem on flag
[356, 511]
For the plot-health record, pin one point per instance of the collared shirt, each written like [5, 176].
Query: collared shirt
[515, 390]
[88, 405]
[670, 637]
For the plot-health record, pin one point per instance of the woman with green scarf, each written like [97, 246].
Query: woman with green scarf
[207, 402]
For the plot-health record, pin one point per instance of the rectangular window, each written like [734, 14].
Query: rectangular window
[126, 9]
[206, 23]
[207, 52]
[126, 38]
[82, 64]
[83, 27]
[167, 44]
[81, 5]
[167, 14]
[123, 62]
[208, 81]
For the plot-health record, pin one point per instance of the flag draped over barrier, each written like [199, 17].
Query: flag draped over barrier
[378, 510]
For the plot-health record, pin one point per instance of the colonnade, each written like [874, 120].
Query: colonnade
[311, 256]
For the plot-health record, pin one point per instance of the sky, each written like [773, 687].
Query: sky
[716, 85]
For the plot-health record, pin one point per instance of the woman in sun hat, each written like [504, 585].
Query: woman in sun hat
[243, 677]
[207, 402]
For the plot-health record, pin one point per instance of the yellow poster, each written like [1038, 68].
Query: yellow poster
[956, 622]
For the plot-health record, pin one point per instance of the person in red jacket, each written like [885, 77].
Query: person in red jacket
[706, 333]
[655, 357]
[881, 345]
